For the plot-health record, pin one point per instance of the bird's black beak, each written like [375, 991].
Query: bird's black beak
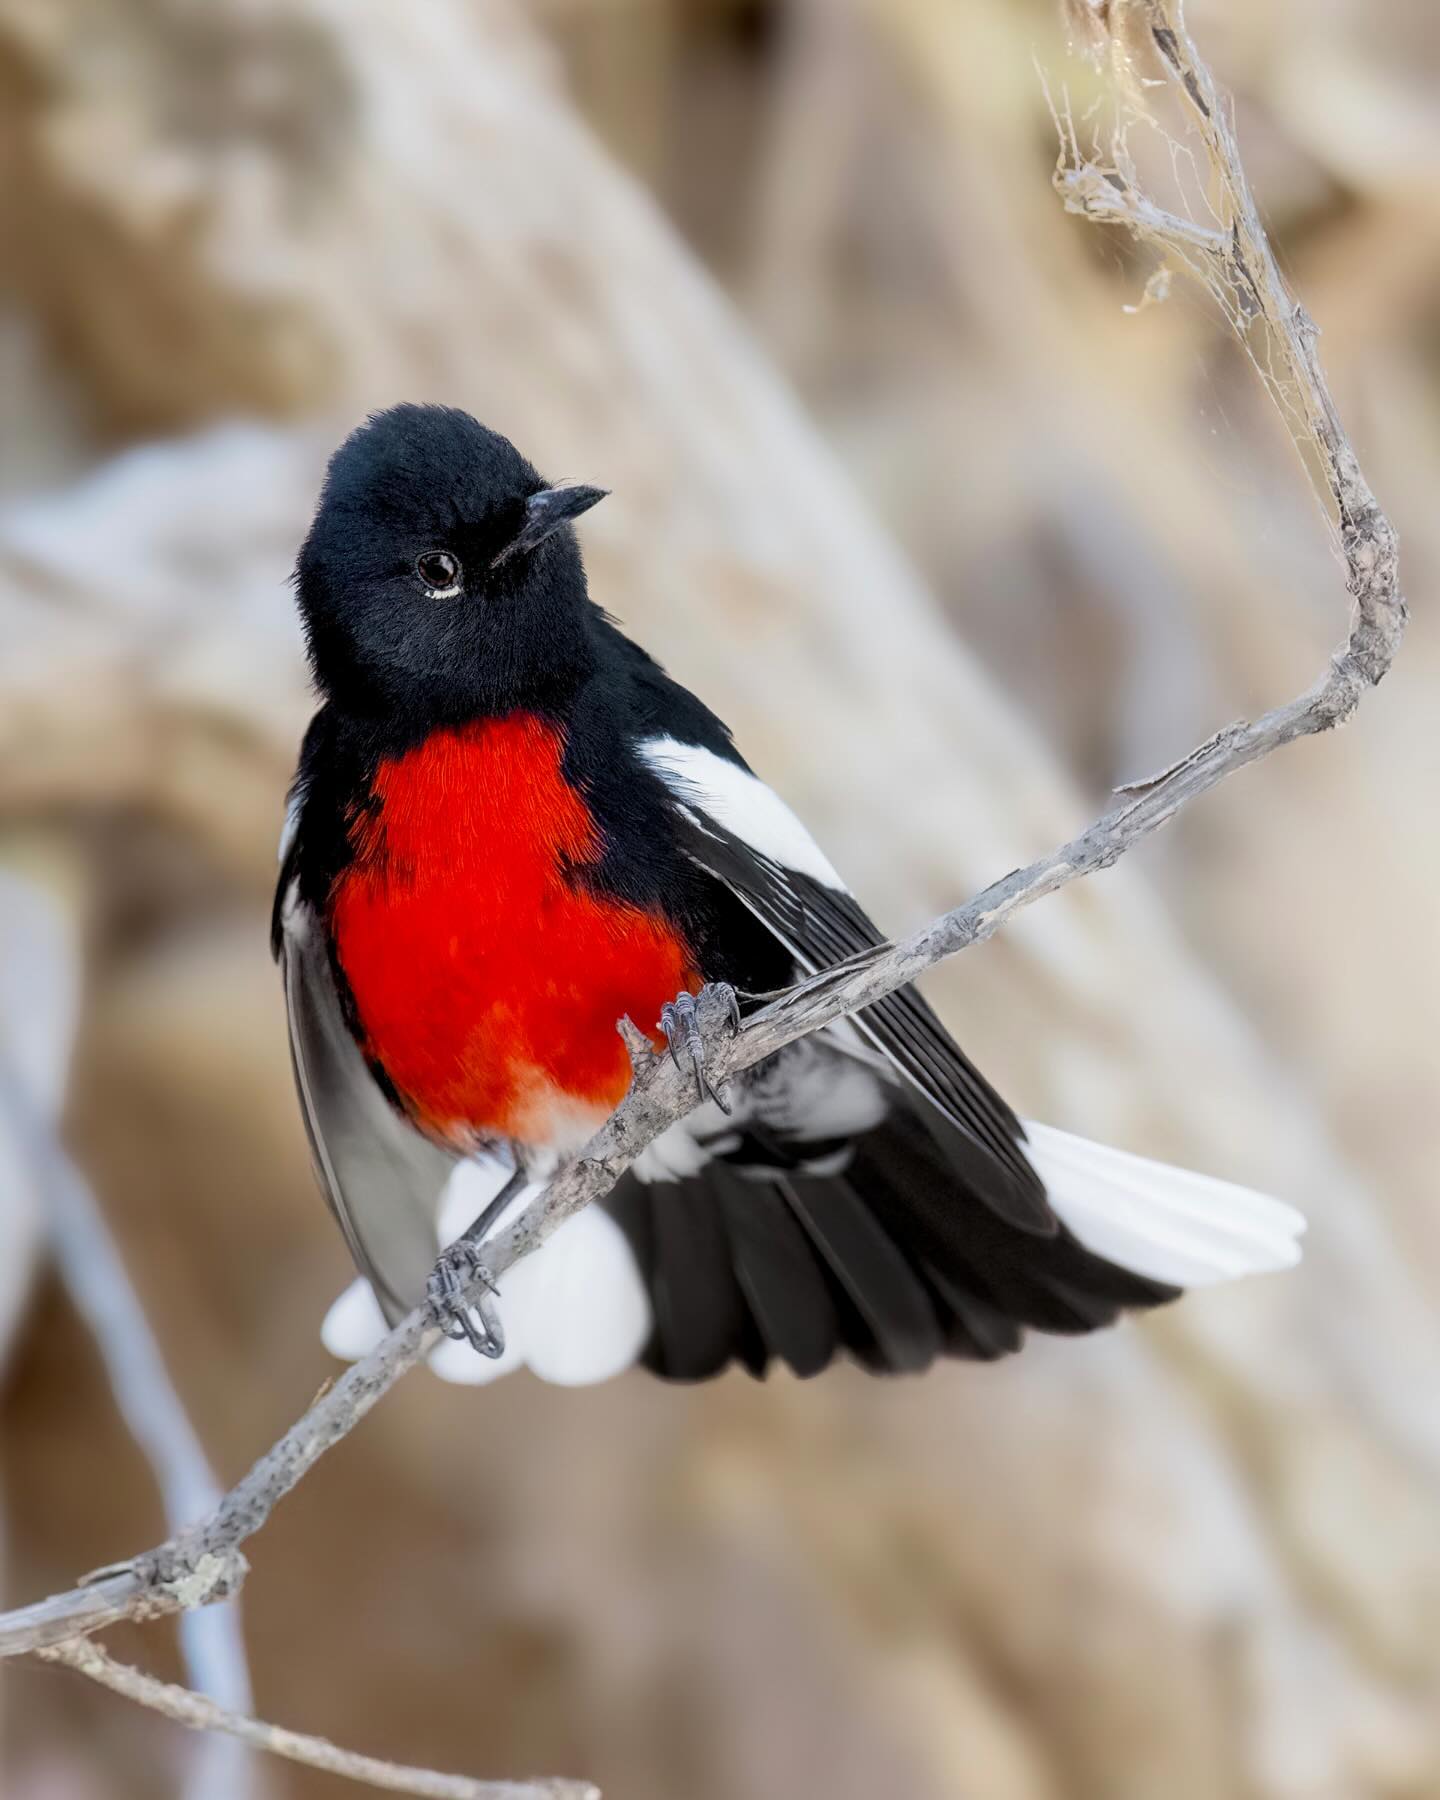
[547, 511]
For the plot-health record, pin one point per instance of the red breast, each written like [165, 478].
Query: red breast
[487, 983]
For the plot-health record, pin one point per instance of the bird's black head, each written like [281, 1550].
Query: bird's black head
[441, 579]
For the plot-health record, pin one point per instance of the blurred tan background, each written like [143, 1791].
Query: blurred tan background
[957, 539]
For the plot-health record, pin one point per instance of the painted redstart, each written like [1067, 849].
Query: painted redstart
[509, 829]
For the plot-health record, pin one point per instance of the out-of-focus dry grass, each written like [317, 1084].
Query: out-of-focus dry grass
[1201, 1562]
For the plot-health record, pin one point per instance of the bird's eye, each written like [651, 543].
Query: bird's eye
[441, 573]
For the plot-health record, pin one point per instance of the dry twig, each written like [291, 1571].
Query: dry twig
[202, 1714]
[212, 1643]
[94, 1274]
[1230, 252]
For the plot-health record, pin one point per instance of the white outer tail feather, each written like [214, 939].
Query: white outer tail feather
[1170, 1224]
[576, 1312]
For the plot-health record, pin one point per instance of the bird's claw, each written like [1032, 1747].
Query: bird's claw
[680, 1022]
[460, 1288]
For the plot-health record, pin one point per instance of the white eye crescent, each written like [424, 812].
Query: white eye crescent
[441, 574]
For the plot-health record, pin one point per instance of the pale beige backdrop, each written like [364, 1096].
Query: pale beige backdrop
[956, 538]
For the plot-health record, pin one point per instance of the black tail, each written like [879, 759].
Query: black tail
[890, 1260]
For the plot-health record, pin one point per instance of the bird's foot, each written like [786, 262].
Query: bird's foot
[680, 1022]
[460, 1291]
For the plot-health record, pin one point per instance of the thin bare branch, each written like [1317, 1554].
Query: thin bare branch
[1231, 256]
[206, 1562]
[203, 1714]
[94, 1274]
[211, 1641]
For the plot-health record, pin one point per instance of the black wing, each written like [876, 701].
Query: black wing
[823, 925]
[382, 1179]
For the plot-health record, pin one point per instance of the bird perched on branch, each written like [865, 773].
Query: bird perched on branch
[510, 829]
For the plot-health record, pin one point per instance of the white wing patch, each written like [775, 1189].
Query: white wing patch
[742, 803]
[1170, 1224]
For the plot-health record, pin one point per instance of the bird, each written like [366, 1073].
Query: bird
[510, 829]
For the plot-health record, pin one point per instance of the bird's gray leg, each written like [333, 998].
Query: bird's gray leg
[476, 1229]
[680, 1021]
[460, 1269]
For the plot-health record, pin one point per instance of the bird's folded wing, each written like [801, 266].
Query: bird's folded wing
[742, 833]
[382, 1178]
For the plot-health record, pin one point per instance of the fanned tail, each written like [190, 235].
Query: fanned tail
[891, 1260]
[895, 1262]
